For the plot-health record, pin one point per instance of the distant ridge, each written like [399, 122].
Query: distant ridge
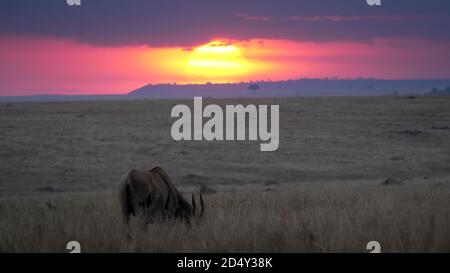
[289, 88]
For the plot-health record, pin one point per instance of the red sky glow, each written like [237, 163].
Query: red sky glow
[32, 65]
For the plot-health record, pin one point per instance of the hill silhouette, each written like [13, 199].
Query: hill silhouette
[288, 88]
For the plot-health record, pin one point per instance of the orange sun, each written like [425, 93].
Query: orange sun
[217, 60]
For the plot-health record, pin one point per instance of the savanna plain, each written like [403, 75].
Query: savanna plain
[348, 170]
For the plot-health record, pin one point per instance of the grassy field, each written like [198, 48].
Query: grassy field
[60, 165]
[312, 218]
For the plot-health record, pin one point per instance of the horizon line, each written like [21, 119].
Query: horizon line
[224, 83]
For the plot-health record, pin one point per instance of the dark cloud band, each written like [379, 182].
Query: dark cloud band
[186, 23]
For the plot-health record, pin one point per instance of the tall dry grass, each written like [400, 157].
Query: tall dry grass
[317, 218]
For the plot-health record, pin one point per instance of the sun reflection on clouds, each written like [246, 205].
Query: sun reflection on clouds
[217, 60]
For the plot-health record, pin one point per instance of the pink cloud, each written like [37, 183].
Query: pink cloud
[340, 18]
[254, 18]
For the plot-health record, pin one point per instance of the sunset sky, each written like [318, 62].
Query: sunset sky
[115, 46]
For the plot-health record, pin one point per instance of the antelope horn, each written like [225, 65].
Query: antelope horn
[193, 203]
[202, 206]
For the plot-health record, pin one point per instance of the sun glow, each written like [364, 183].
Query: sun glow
[218, 61]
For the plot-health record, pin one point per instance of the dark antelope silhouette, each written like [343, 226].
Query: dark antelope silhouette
[152, 195]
